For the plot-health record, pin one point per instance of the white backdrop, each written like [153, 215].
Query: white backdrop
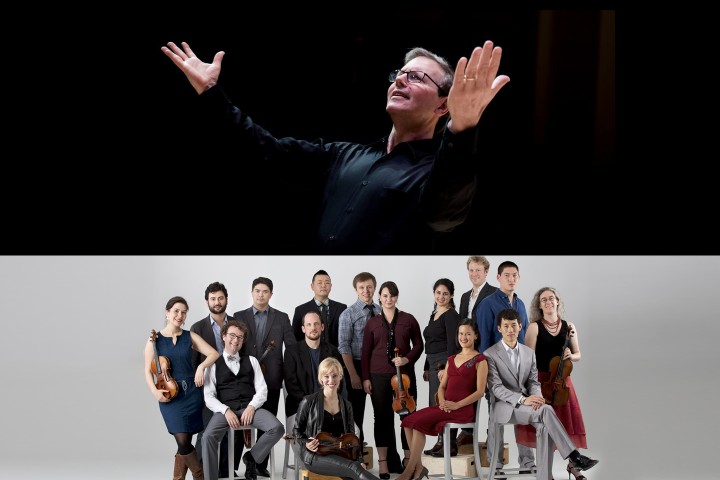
[75, 403]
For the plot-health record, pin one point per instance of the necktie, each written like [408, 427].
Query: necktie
[370, 309]
[514, 359]
[324, 313]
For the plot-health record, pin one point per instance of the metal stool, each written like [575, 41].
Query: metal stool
[448, 475]
[231, 452]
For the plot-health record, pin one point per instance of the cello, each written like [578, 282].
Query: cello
[554, 388]
[161, 369]
[403, 402]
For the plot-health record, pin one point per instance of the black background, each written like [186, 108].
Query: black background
[142, 161]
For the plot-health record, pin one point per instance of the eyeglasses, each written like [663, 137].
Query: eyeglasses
[415, 77]
[236, 337]
[547, 299]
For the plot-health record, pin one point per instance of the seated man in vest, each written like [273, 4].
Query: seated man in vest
[235, 390]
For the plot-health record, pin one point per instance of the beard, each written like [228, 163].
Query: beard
[214, 309]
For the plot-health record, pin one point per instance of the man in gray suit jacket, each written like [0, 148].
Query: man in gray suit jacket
[268, 329]
[518, 399]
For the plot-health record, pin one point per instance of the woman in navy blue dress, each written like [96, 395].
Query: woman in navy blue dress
[182, 414]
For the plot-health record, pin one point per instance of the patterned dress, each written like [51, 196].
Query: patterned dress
[547, 347]
[461, 382]
[184, 412]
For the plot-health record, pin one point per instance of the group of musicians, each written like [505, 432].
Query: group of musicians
[332, 356]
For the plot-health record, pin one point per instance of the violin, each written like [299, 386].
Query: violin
[268, 349]
[347, 446]
[161, 369]
[403, 403]
[554, 389]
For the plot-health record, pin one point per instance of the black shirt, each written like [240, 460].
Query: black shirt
[372, 202]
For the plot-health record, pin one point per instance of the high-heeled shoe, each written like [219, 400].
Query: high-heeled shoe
[383, 476]
[574, 473]
[423, 473]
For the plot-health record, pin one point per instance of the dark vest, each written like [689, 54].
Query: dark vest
[235, 391]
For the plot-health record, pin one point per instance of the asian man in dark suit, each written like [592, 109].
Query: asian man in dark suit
[269, 330]
[513, 380]
[329, 310]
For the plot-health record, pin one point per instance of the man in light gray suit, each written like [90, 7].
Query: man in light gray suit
[513, 380]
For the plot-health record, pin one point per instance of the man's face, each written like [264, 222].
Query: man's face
[321, 286]
[508, 279]
[365, 290]
[477, 273]
[509, 330]
[420, 101]
[261, 295]
[233, 340]
[216, 302]
[312, 326]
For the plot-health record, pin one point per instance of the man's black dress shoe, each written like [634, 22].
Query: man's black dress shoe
[584, 463]
[436, 447]
[263, 472]
[441, 453]
[250, 466]
[464, 439]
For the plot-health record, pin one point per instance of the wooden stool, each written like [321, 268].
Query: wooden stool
[468, 449]
[308, 475]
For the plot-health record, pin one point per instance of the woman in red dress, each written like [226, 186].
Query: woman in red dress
[460, 388]
[546, 335]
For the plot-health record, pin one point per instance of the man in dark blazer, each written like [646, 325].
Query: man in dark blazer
[329, 310]
[209, 328]
[478, 268]
[517, 397]
[269, 331]
[301, 363]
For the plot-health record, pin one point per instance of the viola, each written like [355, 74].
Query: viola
[161, 369]
[555, 389]
[403, 402]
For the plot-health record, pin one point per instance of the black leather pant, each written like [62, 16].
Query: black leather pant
[337, 466]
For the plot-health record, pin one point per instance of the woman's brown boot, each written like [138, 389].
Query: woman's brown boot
[194, 465]
[180, 469]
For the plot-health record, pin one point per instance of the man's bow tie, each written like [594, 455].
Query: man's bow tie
[233, 358]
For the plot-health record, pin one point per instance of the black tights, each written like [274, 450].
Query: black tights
[184, 442]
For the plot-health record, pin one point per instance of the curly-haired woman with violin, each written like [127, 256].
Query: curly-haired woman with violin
[554, 338]
[324, 430]
[176, 385]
